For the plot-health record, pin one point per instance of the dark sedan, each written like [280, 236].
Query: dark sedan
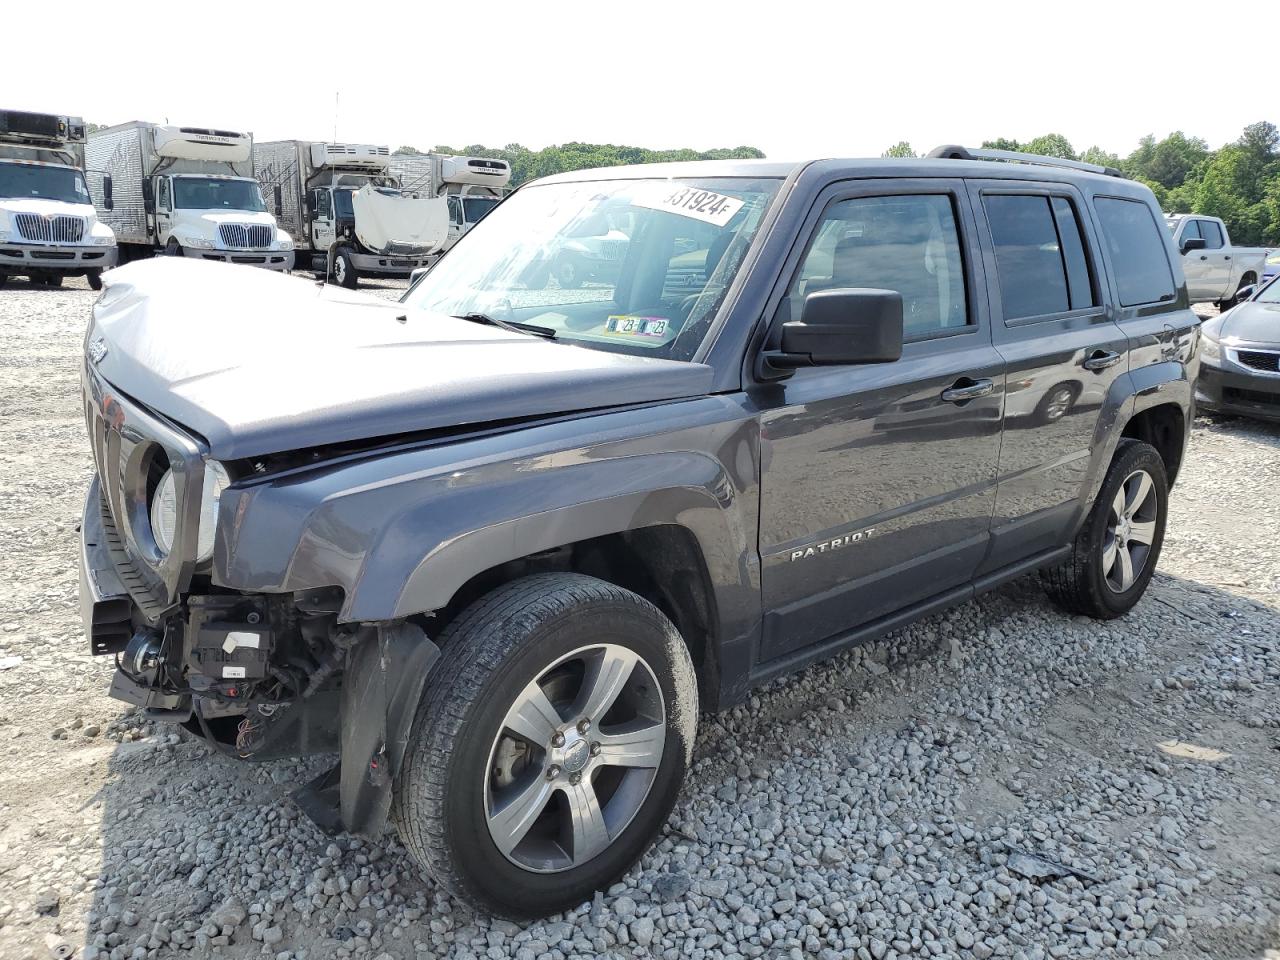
[1240, 358]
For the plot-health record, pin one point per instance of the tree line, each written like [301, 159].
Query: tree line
[529, 164]
[1239, 182]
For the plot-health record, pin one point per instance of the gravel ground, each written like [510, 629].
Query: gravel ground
[1000, 780]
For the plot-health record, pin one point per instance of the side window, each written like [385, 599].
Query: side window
[1212, 234]
[1137, 249]
[910, 244]
[324, 205]
[162, 198]
[455, 210]
[1191, 230]
[1039, 255]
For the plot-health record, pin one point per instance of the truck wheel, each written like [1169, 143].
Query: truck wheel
[344, 273]
[1115, 555]
[173, 248]
[95, 279]
[4, 278]
[542, 764]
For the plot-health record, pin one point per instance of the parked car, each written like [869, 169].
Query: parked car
[1271, 267]
[1216, 271]
[497, 546]
[1240, 372]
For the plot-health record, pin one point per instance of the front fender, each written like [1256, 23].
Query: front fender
[400, 532]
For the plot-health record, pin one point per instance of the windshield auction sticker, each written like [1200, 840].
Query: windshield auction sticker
[704, 205]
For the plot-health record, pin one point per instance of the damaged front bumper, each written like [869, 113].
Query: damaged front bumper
[262, 676]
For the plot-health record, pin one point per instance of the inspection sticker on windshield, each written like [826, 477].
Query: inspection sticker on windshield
[704, 205]
[625, 325]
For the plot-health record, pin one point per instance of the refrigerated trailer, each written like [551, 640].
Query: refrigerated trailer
[185, 191]
[347, 212]
[472, 186]
[48, 227]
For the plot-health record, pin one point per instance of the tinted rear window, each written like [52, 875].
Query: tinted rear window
[1039, 255]
[1137, 250]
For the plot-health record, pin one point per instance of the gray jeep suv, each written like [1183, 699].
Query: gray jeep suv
[497, 544]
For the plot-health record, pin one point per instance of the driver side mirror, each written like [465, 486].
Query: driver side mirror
[148, 196]
[1244, 293]
[1192, 243]
[108, 195]
[843, 326]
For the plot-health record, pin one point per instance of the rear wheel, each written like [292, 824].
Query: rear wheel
[544, 764]
[1115, 555]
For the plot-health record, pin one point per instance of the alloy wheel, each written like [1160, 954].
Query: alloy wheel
[1131, 531]
[574, 758]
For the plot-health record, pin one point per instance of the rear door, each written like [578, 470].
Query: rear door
[877, 481]
[1063, 351]
[1218, 259]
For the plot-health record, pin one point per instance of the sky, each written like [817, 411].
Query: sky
[797, 79]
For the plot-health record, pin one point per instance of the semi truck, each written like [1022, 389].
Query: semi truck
[347, 210]
[48, 227]
[472, 186]
[185, 191]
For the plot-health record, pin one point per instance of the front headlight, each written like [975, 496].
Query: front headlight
[197, 243]
[284, 243]
[1210, 349]
[164, 510]
[104, 241]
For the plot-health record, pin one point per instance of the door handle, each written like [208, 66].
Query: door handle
[1203, 257]
[965, 390]
[1101, 359]
[1227, 257]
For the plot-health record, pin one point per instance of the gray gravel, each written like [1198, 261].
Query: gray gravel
[997, 781]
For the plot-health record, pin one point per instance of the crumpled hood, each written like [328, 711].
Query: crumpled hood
[387, 224]
[256, 362]
[1253, 322]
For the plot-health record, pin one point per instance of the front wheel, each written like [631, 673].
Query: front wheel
[94, 277]
[542, 765]
[1114, 557]
[569, 272]
[344, 272]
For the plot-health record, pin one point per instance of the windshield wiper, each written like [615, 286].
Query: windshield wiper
[510, 325]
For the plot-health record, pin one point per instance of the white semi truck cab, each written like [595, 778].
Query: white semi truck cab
[186, 191]
[48, 227]
[472, 186]
[348, 212]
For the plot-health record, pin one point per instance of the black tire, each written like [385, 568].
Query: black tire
[4, 278]
[494, 650]
[173, 248]
[344, 271]
[94, 278]
[569, 272]
[1080, 585]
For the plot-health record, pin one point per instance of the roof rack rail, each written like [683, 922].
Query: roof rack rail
[954, 152]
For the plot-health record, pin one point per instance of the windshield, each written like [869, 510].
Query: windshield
[1270, 293]
[475, 208]
[342, 200]
[26, 181]
[626, 266]
[211, 193]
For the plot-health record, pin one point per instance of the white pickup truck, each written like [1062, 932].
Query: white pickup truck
[1216, 271]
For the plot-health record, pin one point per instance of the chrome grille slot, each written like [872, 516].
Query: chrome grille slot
[59, 229]
[245, 236]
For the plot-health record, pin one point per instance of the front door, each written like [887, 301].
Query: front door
[878, 481]
[322, 229]
[1196, 267]
[164, 210]
[1219, 259]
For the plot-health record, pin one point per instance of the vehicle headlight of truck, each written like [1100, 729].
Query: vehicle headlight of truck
[198, 243]
[104, 241]
[164, 510]
[284, 243]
